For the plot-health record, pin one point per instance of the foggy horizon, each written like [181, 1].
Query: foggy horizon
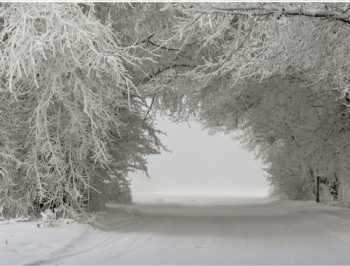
[200, 164]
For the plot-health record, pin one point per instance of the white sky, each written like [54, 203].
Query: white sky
[200, 164]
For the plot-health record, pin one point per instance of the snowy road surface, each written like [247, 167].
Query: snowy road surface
[254, 231]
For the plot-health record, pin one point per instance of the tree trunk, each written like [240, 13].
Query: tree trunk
[318, 189]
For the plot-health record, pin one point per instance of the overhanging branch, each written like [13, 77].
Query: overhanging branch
[325, 12]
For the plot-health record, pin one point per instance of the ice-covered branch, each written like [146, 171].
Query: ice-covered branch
[72, 101]
[327, 11]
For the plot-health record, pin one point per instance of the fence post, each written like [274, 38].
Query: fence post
[318, 189]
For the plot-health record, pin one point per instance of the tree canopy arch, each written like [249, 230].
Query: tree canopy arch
[80, 84]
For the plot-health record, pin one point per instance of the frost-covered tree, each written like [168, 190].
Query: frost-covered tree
[71, 116]
[300, 134]
[278, 72]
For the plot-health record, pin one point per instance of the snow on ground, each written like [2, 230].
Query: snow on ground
[24, 242]
[190, 230]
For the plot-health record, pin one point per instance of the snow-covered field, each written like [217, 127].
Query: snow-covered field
[190, 231]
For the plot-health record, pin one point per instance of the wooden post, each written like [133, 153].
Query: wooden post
[318, 189]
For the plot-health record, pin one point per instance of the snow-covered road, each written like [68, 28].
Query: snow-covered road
[254, 231]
